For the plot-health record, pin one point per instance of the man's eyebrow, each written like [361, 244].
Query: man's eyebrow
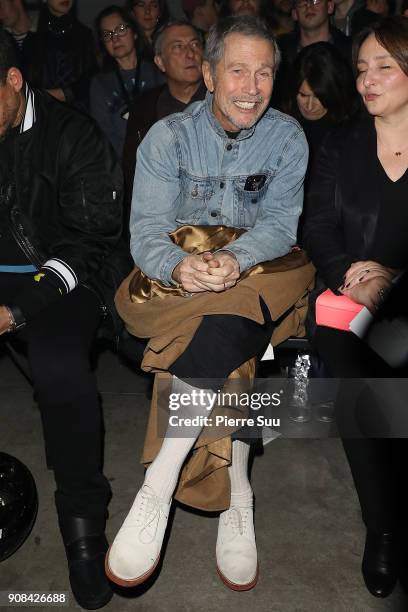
[245, 65]
[177, 40]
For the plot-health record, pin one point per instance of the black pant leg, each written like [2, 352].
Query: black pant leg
[58, 343]
[373, 461]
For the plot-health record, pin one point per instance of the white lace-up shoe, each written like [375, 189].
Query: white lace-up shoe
[135, 552]
[237, 559]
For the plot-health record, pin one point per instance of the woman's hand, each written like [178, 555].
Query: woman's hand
[370, 293]
[363, 271]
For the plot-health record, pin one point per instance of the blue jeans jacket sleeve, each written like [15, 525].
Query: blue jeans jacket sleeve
[155, 194]
[274, 232]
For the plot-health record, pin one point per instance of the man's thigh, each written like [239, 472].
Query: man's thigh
[58, 340]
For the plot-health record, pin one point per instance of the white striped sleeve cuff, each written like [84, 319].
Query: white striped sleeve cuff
[66, 275]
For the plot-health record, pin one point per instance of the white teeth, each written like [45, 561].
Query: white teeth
[245, 105]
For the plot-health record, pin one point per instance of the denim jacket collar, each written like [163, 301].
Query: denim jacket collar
[216, 125]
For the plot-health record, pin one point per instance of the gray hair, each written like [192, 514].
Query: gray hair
[158, 38]
[241, 24]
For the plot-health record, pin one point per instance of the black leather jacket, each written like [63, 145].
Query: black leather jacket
[69, 197]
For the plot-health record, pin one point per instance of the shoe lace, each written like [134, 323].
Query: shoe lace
[151, 508]
[238, 519]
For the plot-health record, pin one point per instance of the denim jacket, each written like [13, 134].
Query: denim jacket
[189, 171]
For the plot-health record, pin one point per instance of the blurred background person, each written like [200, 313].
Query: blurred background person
[258, 8]
[149, 15]
[62, 56]
[343, 14]
[282, 20]
[179, 55]
[312, 19]
[125, 76]
[20, 24]
[313, 25]
[368, 14]
[202, 14]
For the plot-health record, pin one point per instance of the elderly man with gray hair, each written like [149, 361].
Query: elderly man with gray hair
[216, 200]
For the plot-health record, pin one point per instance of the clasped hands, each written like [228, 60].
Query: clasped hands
[367, 282]
[207, 272]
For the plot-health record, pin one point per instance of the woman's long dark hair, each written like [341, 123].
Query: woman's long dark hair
[329, 77]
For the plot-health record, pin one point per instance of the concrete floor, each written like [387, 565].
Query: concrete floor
[309, 532]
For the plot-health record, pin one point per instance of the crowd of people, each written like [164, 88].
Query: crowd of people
[195, 180]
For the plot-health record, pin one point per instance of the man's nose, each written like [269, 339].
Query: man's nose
[251, 85]
[190, 51]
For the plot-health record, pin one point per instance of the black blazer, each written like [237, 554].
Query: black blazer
[342, 202]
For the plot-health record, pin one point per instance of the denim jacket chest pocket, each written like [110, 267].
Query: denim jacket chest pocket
[248, 203]
[194, 195]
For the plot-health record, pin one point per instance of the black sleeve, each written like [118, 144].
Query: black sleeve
[90, 202]
[322, 233]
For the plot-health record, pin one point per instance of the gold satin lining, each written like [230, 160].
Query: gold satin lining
[197, 239]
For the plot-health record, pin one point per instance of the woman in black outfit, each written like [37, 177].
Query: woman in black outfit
[321, 92]
[356, 234]
[62, 54]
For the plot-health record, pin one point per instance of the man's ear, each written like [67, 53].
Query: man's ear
[330, 7]
[208, 77]
[294, 14]
[15, 79]
[159, 63]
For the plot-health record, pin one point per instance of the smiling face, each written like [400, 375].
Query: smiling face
[120, 46]
[381, 82]
[243, 81]
[58, 8]
[309, 105]
[181, 55]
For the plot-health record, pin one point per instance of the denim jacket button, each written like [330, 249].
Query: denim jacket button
[222, 185]
[214, 213]
[254, 201]
[229, 147]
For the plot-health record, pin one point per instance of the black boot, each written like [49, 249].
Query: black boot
[379, 565]
[85, 547]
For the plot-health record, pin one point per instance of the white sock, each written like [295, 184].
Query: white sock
[163, 473]
[241, 491]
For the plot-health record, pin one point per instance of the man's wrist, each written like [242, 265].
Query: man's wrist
[16, 318]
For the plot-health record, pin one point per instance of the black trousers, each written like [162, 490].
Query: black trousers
[378, 465]
[220, 345]
[58, 343]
